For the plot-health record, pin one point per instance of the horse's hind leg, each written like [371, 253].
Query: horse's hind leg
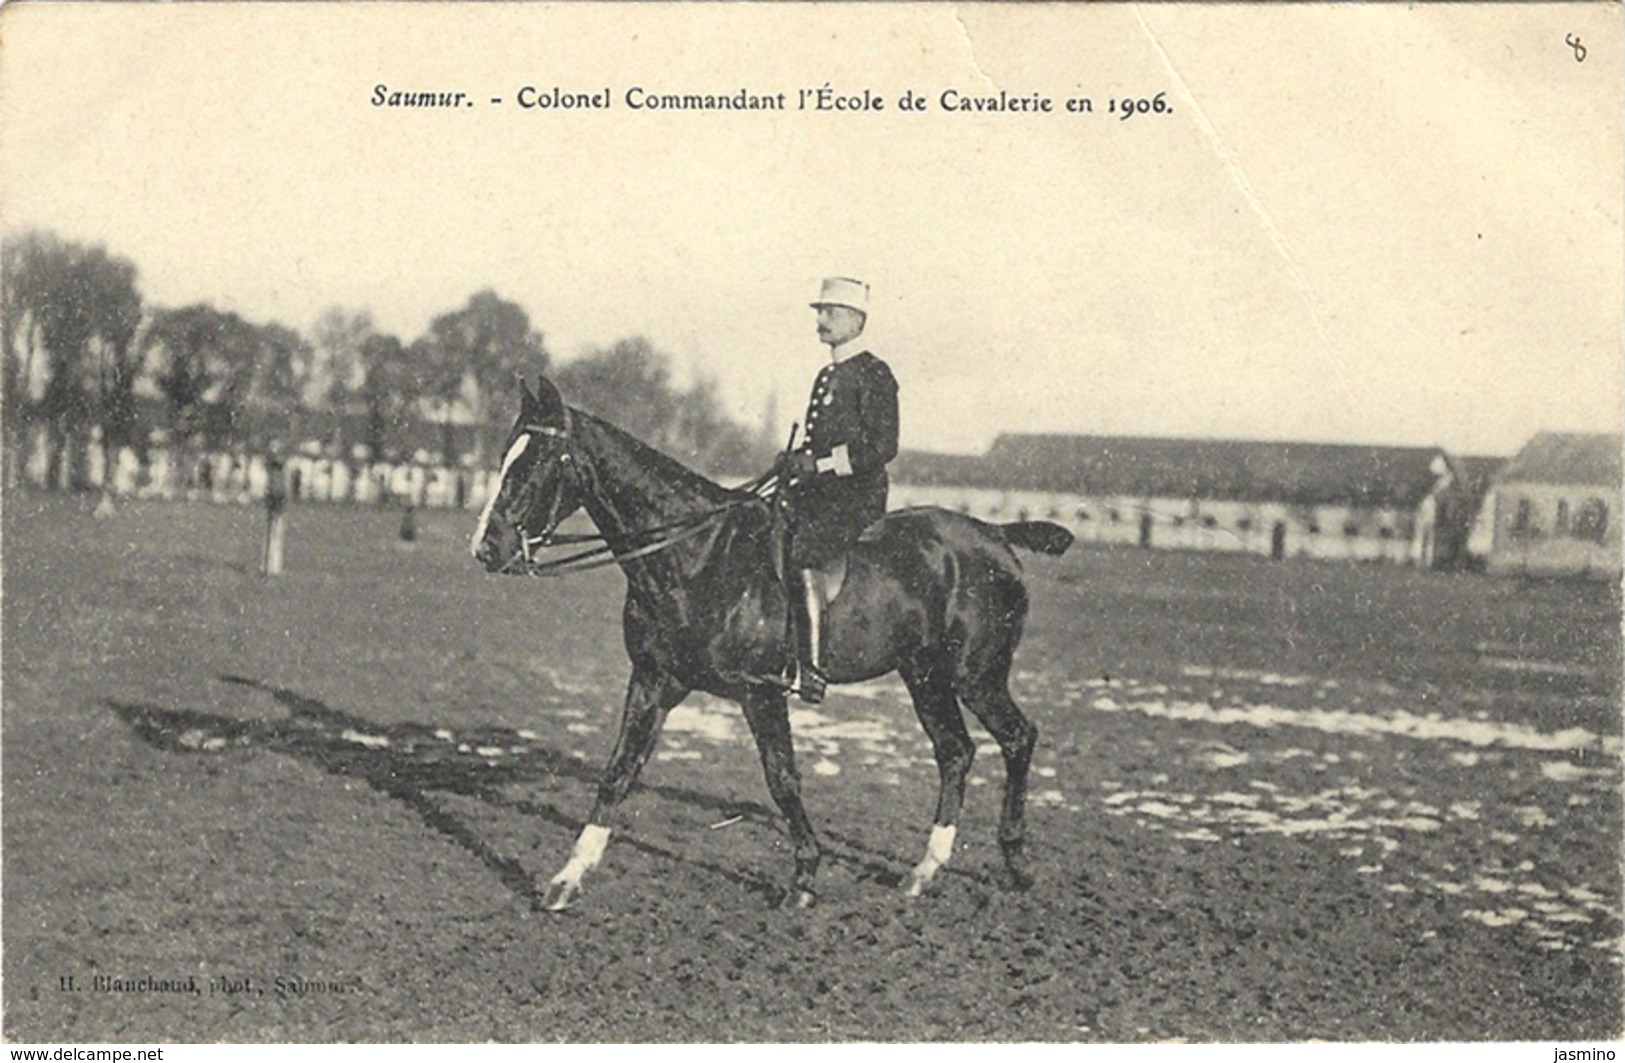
[988, 696]
[931, 686]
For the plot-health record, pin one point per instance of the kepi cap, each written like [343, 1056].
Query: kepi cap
[843, 291]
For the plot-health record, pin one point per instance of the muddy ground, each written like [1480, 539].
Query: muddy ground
[1271, 802]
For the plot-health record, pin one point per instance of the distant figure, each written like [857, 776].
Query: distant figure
[409, 526]
[276, 504]
[835, 482]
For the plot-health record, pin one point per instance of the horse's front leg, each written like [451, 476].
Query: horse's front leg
[649, 697]
[769, 720]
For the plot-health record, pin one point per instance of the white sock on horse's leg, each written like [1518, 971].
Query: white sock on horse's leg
[588, 851]
[937, 851]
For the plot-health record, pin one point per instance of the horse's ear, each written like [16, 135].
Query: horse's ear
[549, 403]
[527, 398]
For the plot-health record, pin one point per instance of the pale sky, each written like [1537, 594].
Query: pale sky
[1361, 224]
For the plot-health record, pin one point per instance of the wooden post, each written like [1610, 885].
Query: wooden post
[275, 524]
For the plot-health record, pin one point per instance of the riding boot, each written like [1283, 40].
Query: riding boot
[812, 680]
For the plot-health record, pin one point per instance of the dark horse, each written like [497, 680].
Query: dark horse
[935, 596]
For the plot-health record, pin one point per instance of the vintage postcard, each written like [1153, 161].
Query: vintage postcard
[898, 522]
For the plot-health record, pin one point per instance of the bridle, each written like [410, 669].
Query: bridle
[640, 543]
[567, 464]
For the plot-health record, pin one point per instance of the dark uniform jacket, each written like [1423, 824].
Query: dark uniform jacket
[851, 431]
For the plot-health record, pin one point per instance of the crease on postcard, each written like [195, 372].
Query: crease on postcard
[1238, 175]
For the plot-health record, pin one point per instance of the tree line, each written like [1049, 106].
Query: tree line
[88, 361]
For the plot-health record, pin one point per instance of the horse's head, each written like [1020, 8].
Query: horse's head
[537, 488]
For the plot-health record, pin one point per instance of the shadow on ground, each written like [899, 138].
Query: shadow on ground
[413, 762]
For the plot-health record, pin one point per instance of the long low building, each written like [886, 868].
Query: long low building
[1402, 505]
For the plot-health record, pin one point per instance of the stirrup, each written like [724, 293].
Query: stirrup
[811, 683]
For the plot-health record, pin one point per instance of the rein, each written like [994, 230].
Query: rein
[609, 553]
[629, 547]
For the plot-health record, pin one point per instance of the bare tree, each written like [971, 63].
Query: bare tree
[20, 342]
[117, 312]
[71, 315]
[277, 393]
[629, 383]
[391, 387]
[339, 335]
[472, 356]
[206, 365]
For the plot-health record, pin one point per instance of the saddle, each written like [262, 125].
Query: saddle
[831, 575]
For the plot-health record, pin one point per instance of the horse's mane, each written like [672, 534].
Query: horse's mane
[670, 474]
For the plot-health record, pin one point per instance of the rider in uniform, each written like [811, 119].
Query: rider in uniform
[835, 481]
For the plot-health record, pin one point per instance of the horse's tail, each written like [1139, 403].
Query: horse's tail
[1039, 536]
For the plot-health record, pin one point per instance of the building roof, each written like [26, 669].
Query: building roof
[930, 469]
[1296, 473]
[1591, 458]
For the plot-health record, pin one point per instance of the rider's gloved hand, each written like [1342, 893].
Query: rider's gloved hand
[796, 465]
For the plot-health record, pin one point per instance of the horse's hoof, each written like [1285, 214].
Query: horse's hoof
[558, 898]
[799, 899]
[915, 886]
[1018, 879]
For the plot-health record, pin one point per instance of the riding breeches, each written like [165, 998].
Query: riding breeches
[828, 514]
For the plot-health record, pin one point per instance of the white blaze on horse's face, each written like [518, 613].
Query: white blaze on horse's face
[514, 452]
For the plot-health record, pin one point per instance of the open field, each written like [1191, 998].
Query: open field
[1270, 802]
